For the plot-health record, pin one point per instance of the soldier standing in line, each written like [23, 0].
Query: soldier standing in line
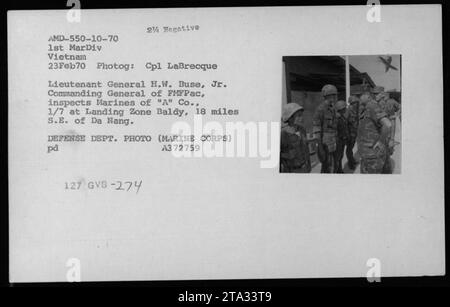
[391, 108]
[373, 139]
[342, 134]
[378, 96]
[353, 122]
[294, 156]
[325, 129]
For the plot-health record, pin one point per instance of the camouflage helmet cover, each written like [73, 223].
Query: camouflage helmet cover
[329, 89]
[340, 105]
[352, 99]
[289, 110]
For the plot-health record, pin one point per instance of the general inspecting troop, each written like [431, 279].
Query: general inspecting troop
[368, 121]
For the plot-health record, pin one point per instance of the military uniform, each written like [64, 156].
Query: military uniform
[392, 107]
[373, 160]
[342, 139]
[325, 124]
[295, 156]
[353, 122]
[382, 103]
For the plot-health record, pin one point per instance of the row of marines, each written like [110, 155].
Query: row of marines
[368, 121]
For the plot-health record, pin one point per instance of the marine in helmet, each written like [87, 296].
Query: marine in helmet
[325, 128]
[379, 95]
[342, 134]
[378, 92]
[373, 136]
[392, 106]
[353, 122]
[294, 156]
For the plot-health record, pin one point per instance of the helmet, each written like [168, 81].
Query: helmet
[289, 110]
[365, 98]
[378, 89]
[329, 90]
[352, 99]
[340, 105]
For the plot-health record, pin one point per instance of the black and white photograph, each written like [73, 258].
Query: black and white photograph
[196, 148]
[341, 114]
